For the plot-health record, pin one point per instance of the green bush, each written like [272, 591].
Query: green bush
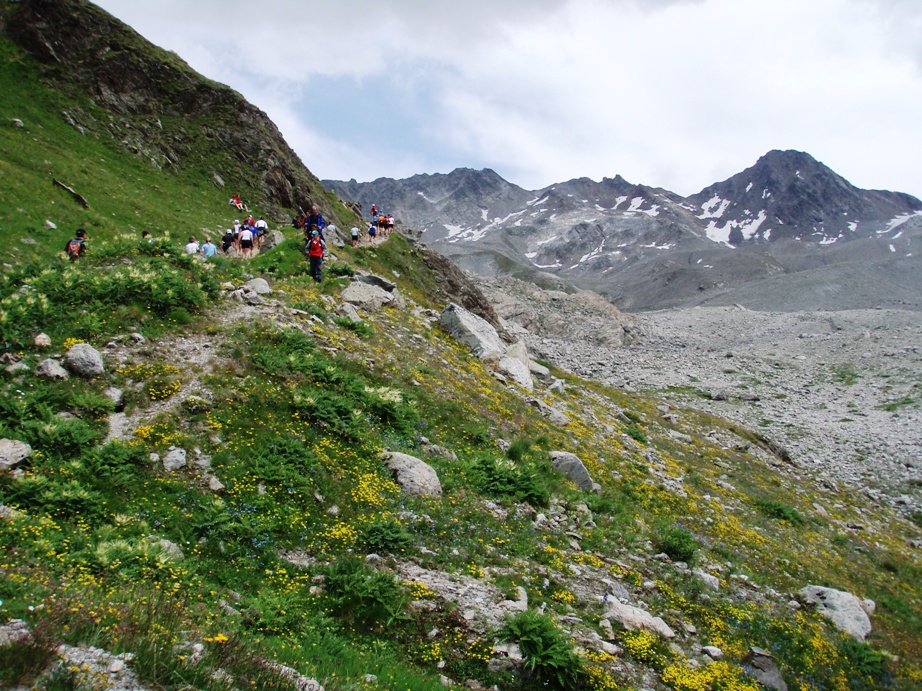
[637, 434]
[386, 535]
[549, 656]
[361, 596]
[782, 512]
[676, 542]
[502, 478]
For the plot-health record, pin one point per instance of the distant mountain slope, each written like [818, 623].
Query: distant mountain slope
[648, 248]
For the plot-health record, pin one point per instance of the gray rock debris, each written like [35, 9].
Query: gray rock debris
[848, 613]
[92, 667]
[414, 476]
[14, 631]
[569, 465]
[13, 452]
[84, 361]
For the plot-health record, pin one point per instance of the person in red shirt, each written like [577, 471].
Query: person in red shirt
[316, 248]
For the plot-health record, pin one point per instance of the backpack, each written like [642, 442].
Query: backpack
[73, 248]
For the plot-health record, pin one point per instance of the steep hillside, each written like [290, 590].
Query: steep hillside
[222, 474]
[81, 90]
[789, 221]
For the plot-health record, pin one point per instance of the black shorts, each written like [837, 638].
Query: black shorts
[246, 244]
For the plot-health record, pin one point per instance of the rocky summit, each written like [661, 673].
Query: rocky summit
[787, 234]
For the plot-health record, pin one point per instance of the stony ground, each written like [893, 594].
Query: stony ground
[842, 391]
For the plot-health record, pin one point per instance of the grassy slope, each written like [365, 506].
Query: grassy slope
[281, 428]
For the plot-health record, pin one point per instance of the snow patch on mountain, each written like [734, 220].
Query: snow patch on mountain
[714, 208]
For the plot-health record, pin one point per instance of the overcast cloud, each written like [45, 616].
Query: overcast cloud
[671, 93]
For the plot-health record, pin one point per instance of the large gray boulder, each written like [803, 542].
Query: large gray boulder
[414, 476]
[515, 365]
[84, 361]
[175, 459]
[474, 332]
[848, 613]
[634, 618]
[13, 452]
[569, 465]
[369, 297]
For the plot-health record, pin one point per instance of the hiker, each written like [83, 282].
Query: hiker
[208, 249]
[390, 224]
[374, 210]
[315, 250]
[145, 235]
[245, 242]
[227, 241]
[76, 246]
[261, 229]
[372, 231]
[316, 219]
[355, 236]
[191, 246]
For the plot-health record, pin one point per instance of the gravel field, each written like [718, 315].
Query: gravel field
[842, 391]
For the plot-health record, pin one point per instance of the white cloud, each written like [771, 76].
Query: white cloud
[671, 93]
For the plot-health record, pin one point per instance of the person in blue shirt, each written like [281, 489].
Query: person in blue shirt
[208, 249]
[315, 219]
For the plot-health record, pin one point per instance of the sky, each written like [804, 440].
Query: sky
[669, 93]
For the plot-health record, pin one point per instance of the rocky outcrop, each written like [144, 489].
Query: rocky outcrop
[848, 613]
[762, 667]
[51, 369]
[369, 297]
[414, 476]
[474, 332]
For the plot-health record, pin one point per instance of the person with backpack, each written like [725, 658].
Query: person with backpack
[227, 241]
[76, 246]
[315, 220]
[316, 248]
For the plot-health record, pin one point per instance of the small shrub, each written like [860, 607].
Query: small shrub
[549, 656]
[362, 328]
[386, 535]
[676, 542]
[636, 434]
[362, 596]
[340, 269]
[507, 479]
[869, 666]
[777, 510]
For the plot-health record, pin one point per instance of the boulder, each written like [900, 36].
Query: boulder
[42, 340]
[569, 465]
[517, 371]
[539, 371]
[761, 666]
[375, 280]
[273, 238]
[847, 612]
[633, 618]
[14, 631]
[472, 331]
[710, 581]
[348, 311]
[260, 286]
[84, 361]
[368, 297]
[175, 459]
[13, 452]
[414, 476]
[114, 394]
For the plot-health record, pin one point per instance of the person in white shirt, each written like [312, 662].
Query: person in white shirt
[245, 242]
[192, 246]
